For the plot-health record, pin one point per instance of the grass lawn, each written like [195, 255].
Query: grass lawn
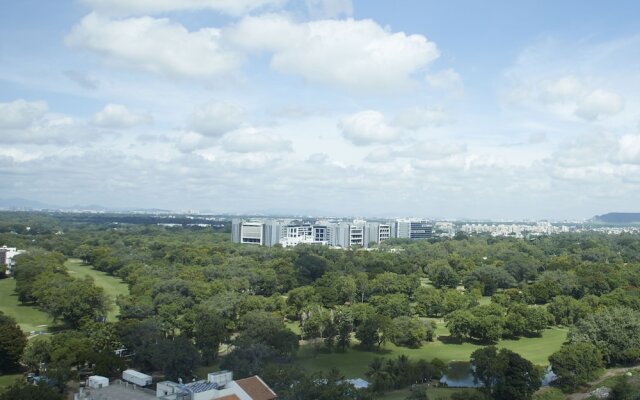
[353, 363]
[112, 286]
[549, 393]
[7, 380]
[432, 393]
[28, 317]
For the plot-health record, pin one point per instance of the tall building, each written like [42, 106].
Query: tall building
[414, 229]
[269, 232]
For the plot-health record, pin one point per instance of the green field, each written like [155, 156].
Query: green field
[433, 393]
[7, 380]
[111, 285]
[28, 317]
[353, 363]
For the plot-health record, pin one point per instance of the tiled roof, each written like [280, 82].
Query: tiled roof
[256, 388]
[229, 397]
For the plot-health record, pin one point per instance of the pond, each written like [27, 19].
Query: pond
[460, 374]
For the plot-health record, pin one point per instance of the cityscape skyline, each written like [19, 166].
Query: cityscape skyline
[495, 111]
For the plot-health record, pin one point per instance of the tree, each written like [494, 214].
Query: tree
[429, 302]
[442, 275]
[178, 358]
[374, 331]
[12, 344]
[343, 320]
[391, 305]
[268, 329]
[37, 352]
[410, 332]
[23, 391]
[505, 375]
[613, 331]
[576, 364]
[70, 299]
[566, 310]
[209, 331]
[489, 278]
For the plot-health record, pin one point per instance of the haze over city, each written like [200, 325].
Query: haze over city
[502, 110]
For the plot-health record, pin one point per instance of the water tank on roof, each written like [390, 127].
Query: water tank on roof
[220, 377]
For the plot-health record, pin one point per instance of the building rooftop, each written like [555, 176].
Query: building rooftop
[201, 386]
[256, 388]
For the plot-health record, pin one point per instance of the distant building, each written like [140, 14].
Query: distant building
[6, 257]
[414, 229]
[344, 234]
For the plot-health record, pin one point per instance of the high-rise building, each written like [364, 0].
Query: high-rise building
[269, 232]
[414, 229]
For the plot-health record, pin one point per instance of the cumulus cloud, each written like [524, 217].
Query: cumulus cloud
[367, 127]
[329, 8]
[21, 113]
[354, 54]
[418, 117]
[158, 46]
[231, 7]
[446, 79]
[191, 141]
[119, 116]
[423, 151]
[564, 89]
[567, 96]
[629, 149]
[216, 118]
[58, 130]
[252, 140]
[599, 103]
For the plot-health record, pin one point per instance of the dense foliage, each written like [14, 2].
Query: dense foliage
[191, 291]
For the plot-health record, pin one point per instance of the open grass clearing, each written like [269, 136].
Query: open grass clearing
[353, 363]
[28, 317]
[8, 380]
[432, 393]
[112, 286]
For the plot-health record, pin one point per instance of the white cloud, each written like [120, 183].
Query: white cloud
[417, 117]
[231, 7]
[629, 149]
[251, 140]
[21, 113]
[422, 151]
[599, 103]
[155, 45]
[446, 79]
[355, 54]
[216, 118]
[367, 127]
[563, 89]
[329, 8]
[191, 141]
[118, 116]
[58, 130]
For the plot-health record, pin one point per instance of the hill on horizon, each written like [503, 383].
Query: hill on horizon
[618, 218]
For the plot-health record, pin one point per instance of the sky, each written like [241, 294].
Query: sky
[439, 109]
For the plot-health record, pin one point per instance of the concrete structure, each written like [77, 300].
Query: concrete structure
[133, 376]
[414, 229]
[218, 386]
[97, 382]
[343, 234]
[6, 257]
